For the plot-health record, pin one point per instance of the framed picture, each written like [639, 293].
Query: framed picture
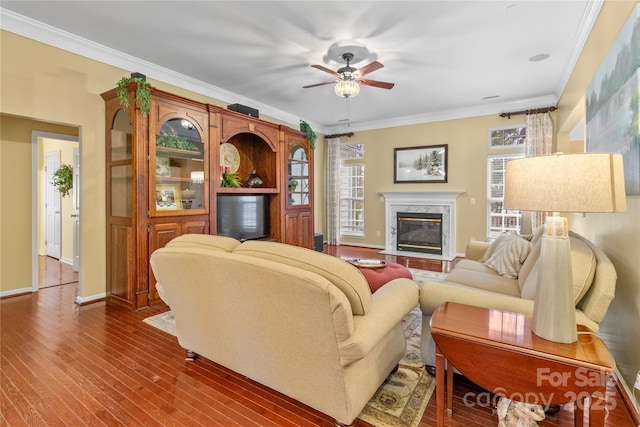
[420, 164]
[168, 197]
[613, 110]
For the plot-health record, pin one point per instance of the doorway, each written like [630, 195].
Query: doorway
[56, 259]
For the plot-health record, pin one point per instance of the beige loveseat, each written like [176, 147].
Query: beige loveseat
[301, 322]
[475, 283]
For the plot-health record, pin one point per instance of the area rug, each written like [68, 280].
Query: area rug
[402, 398]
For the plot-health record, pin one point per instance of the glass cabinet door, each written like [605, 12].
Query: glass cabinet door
[120, 164]
[298, 176]
[179, 167]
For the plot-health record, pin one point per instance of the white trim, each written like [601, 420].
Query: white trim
[93, 298]
[590, 16]
[444, 201]
[35, 135]
[52, 36]
[26, 27]
[14, 292]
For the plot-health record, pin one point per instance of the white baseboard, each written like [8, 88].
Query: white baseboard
[361, 245]
[66, 261]
[16, 292]
[88, 300]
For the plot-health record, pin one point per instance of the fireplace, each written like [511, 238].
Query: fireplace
[422, 202]
[419, 232]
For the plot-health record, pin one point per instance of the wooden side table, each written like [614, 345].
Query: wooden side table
[498, 351]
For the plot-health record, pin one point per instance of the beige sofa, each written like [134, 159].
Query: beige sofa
[473, 282]
[298, 321]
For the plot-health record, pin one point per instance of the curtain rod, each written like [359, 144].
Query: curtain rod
[338, 135]
[534, 111]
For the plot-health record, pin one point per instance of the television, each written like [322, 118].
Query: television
[243, 216]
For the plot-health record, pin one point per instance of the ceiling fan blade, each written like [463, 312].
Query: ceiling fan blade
[319, 84]
[375, 65]
[375, 83]
[325, 69]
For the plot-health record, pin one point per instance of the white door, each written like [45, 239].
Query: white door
[75, 215]
[52, 206]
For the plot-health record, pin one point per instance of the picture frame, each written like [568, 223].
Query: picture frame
[168, 197]
[425, 164]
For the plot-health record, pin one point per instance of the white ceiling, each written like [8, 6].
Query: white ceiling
[444, 57]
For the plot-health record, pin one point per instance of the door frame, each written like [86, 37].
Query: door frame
[35, 135]
[53, 202]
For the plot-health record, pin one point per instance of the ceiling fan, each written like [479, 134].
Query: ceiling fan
[349, 78]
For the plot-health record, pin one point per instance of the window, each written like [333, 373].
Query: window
[352, 151]
[351, 190]
[508, 137]
[511, 140]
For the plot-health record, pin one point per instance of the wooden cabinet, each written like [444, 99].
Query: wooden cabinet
[163, 180]
[297, 183]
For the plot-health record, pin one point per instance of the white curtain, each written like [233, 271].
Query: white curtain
[333, 191]
[539, 143]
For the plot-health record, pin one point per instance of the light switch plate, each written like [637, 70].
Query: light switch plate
[637, 384]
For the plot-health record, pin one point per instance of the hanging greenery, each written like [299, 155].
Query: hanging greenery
[311, 135]
[63, 179]
[143, 92]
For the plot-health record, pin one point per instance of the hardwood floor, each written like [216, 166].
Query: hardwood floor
[52, 272]
[67, 365]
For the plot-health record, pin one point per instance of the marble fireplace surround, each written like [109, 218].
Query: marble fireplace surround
[442, 202]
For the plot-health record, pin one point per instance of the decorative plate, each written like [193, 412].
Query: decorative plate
[229, 157]
[368, 263]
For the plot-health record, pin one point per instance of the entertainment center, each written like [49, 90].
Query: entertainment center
[163, 178]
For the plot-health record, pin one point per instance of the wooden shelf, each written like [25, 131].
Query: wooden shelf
[247, 190]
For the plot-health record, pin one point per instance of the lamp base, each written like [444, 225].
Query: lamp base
[554, 310]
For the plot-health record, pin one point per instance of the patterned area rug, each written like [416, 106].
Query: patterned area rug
[402, 398]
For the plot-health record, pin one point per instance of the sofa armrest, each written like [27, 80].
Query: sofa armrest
[391, 303]
[433, 295]
[475, 249]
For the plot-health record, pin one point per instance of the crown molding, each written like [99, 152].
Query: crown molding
[52, 36]
[439, 116]
[586, 25]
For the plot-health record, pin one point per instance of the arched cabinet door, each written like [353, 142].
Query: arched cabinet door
[298, 176]
[297, 190]
[178, 161]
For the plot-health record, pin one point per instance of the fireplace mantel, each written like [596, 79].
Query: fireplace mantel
[443, 202]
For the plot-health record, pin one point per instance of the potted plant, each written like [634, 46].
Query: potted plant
[311, 135]
[293, 183]
[143, 92]
[228, 178]
[63, 179]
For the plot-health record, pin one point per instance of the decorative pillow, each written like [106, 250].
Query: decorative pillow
[509, 253]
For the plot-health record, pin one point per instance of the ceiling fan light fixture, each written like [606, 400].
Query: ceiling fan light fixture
[347, 88]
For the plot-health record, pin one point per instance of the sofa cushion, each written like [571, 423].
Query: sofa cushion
[340, 273]
[204, 241]
[507, 254]
[583, 268]
[475, 274]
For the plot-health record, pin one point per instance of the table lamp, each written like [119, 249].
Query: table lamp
[585, 182]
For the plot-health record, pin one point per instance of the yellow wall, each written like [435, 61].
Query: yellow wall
[617, 234]
[15, 200]
[51, 85]
[467, 141]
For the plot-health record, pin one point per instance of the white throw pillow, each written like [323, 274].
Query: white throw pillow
[507, 254]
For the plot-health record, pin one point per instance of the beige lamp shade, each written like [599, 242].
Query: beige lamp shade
[584, 182]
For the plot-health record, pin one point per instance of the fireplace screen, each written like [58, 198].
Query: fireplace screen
[419, 232]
